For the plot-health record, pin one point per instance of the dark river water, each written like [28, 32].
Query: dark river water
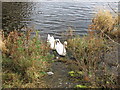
[51, 17]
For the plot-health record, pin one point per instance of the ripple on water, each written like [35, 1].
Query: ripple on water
[52, 17]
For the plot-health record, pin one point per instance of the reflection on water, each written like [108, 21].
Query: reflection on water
[50, 17]
[14, 13]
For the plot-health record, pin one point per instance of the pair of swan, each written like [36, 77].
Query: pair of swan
[55, 44]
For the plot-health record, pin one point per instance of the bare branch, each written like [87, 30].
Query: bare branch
[112, 9]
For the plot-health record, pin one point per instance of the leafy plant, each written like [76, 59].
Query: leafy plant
[80, 86]
[71, 73]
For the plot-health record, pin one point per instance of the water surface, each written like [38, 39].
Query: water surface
[51, 17]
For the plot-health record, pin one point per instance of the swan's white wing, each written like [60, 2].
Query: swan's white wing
[64, 52]
[52, 42]
[60, 49]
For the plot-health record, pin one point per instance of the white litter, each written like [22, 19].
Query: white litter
[50, 73]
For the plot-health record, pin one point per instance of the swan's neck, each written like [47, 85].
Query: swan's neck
[54, 44]
[63, 47]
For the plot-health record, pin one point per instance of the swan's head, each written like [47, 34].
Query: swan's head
[65, 44]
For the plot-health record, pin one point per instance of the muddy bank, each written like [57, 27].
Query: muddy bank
[60, 78]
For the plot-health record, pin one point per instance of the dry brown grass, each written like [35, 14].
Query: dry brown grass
[2, 43]
[105, 22]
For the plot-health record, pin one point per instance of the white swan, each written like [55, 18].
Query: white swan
[51, 41]
[60, 48]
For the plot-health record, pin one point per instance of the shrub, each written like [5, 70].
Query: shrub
[25, 60]
[89, 52]
[104, 22]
